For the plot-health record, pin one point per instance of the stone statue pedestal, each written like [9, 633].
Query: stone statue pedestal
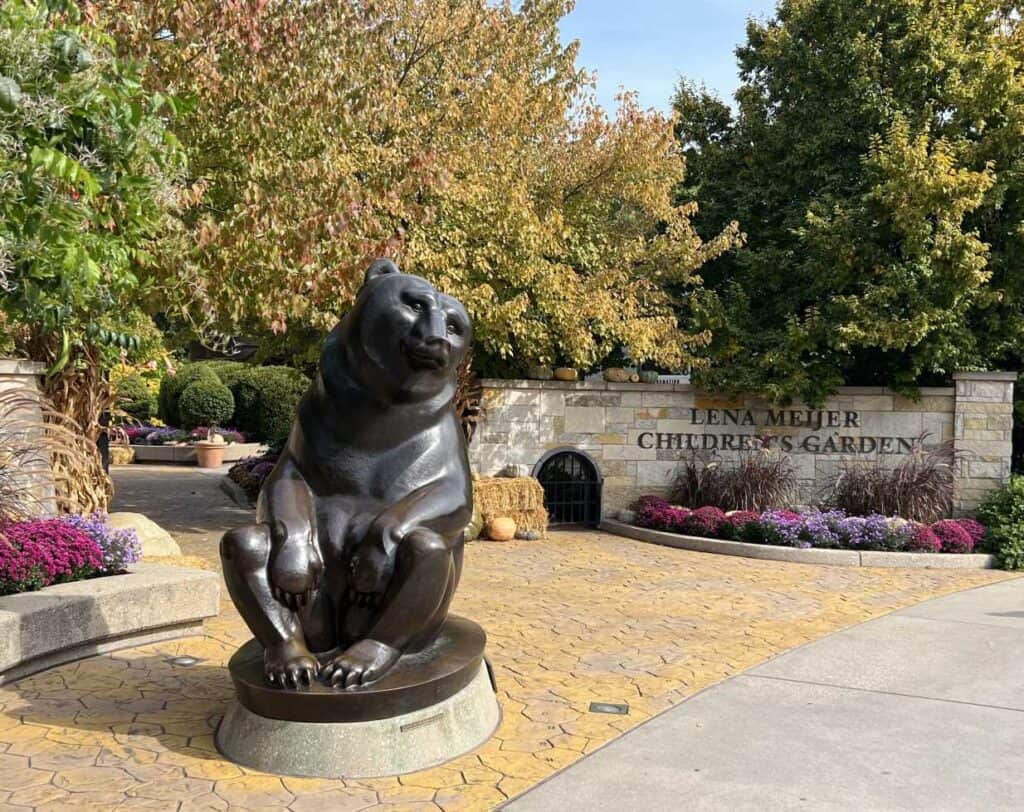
[432, 706]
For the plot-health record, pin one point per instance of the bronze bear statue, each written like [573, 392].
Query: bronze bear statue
[357, 549]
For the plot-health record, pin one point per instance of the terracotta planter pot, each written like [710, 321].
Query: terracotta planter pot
[501, 529]
[210, 455]
[616, 375]
[566, 374]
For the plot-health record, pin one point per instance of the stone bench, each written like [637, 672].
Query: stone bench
[67, 622]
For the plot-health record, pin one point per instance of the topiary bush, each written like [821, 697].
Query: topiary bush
[265, 401]
[1003, 514]
[205, 403]
[172, 386]
[135, 397]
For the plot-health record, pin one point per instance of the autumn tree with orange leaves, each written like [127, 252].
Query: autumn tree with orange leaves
[457, 136]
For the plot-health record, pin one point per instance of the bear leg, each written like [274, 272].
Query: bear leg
[245, 554]
[413, 609]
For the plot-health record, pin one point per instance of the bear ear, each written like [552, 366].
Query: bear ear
[380, 267]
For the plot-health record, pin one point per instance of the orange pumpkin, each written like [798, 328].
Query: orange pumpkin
[501, 528]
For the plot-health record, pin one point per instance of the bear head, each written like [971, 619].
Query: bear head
[403, 339]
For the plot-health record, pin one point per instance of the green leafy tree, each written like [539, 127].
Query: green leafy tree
[89, 185]
[874, 161]
[458, 137]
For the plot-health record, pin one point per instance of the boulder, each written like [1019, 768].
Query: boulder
[154, 539]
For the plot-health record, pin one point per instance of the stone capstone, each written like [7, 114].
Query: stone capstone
[67, 622]
[154, 539]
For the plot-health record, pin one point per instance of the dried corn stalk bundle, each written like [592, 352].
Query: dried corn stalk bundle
[46, 461]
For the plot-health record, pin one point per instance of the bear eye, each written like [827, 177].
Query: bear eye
[453, 329]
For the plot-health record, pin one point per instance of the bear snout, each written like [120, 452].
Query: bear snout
[432, 352]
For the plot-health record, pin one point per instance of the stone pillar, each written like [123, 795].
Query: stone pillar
[982, 433]
[19, 374]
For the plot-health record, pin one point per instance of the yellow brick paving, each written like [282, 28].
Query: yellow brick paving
[579, 617]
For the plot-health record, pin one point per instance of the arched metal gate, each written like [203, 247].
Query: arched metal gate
[572, 487]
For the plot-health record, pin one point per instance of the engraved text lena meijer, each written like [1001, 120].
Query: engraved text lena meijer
[827, 435]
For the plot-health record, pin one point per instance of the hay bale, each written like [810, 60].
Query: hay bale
[520, 499]
[496, 495]
[529, 520]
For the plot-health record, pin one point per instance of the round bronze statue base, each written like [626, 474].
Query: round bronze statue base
[416, 681]
[433, 706]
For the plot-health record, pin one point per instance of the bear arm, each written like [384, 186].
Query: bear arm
[442, 506]
[286, 503]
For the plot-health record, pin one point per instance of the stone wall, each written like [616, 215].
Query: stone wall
[983, 432]
[637, 433]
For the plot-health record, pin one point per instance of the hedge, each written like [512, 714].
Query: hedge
[264, 398]
[265, 401]
[135, 397]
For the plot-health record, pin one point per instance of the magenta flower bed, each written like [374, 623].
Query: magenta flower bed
[162, 435]
[828, 529]
[41, 552]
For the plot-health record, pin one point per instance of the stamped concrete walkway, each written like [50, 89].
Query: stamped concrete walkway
[922, 709]
[573, 619]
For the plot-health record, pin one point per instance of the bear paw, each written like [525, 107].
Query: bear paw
[360, 664]
[290, 665]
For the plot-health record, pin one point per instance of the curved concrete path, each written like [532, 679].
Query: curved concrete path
[921, 709]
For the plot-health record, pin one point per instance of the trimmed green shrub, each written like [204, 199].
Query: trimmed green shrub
[1002, 513]
[172, 386]
[229, 372]
[205, 403]
[135, 397]
[265, 401]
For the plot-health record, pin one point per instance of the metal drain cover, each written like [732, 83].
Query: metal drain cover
[609, 707]
[184, 660]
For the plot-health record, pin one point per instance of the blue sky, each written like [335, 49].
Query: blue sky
[645, 45]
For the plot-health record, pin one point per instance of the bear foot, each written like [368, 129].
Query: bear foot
[360, 664]
[289, 664]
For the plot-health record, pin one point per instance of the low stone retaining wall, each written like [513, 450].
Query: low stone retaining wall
[186, 454]
[67, 622]
[841, 558]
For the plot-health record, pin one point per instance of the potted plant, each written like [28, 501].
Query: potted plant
[210, 452]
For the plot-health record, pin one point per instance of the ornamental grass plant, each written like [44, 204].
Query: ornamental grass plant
[39, 445]
[921, 486]
[755, 480]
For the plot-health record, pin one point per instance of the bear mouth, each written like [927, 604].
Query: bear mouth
[425, 358]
